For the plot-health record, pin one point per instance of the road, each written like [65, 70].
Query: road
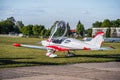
[81, 71]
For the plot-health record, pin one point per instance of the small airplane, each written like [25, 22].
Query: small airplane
[58, 42]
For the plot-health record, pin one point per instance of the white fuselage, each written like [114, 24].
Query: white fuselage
[69, 43]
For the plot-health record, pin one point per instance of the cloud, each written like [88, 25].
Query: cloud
[12, 11]
[39, 11]
[85, 12]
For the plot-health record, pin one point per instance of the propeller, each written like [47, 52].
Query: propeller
[39, 43]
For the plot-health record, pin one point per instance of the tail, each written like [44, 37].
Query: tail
[97, 40]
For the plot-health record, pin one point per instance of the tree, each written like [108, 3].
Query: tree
[97, 24]
[106, 23]
[43, 33]
[32, 30]
[27, 30]
[89, 32]
[37, 29]
[12, 19]
[47, 33]
[68, 30]
[19, 24]
[108, 32]
[0, 28]
[6, 26]
[118, 22]
[16, 29]
[114, 23]
[80, 29]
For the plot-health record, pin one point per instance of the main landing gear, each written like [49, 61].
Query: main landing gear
[70, 54]
[51, 53]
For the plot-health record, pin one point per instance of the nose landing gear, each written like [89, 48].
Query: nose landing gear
[51, 54]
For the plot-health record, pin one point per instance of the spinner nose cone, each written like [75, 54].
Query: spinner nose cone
[45, 43]
[17, 44]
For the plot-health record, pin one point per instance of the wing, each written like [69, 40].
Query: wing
[29, 46]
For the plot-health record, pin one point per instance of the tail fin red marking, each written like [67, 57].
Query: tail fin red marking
[98, 33]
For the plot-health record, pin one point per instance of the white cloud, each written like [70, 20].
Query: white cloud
[84, 12]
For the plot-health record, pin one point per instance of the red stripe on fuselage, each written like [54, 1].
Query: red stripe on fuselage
[85, 48]
[58, 48]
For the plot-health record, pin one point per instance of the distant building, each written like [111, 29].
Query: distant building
[115, 31]
[95, 30]
[73, 32]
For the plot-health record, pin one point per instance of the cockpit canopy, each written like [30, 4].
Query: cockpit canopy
[59, 30]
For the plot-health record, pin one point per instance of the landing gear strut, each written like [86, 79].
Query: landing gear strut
[51, 54]
[70, 54]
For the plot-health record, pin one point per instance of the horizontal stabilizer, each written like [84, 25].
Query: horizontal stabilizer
[105, 48]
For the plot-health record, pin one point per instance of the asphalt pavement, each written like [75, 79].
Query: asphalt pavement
[81, 71]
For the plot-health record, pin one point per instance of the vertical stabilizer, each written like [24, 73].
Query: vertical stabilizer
[97, 40]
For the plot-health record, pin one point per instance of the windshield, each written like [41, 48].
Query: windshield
[59, 30]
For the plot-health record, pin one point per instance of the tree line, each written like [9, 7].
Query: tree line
[10, 25]
[107, 23]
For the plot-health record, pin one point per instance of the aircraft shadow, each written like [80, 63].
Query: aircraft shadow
[116, 57]
[10, 61]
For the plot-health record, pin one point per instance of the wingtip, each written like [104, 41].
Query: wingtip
[17, 45]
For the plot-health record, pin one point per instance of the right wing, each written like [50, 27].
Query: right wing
[29, 46]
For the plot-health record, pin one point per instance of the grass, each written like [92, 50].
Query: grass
[11, 56]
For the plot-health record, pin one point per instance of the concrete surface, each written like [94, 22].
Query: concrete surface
[82, 71]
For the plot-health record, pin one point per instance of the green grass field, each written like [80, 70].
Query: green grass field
[11, 56]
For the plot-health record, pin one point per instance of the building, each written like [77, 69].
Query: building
[115, 31]
[72, 32]
[95, 30]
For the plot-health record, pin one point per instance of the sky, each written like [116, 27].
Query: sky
[46, 12]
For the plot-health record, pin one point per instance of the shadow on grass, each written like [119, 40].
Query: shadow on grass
[116, 57]
[11, 61]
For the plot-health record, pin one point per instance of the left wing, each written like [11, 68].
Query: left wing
[29, 46]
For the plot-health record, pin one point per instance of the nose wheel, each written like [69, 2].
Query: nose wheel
[51, 54]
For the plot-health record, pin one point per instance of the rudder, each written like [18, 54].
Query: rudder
[97, 40]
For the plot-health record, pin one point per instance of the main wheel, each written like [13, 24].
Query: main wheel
[70, 54]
